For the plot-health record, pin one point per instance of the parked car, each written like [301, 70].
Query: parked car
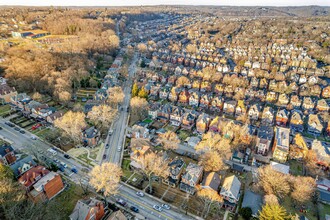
[67, 156]
[104, 156]
[74, 170]
[119, 148]
[141, 194]
[165, 206]
[9, 124]
[157, 207]
[33, 137]
[121, 202]
[106, 146]
[110, 132]
[17, 128]
[0, 128]
[61, 168]
[22, 132]
[134, 209]
[56, 161]
[64, 164]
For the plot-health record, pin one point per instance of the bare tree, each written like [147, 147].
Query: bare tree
[102, 115]
[139, 107]
[169, 140]
[105, 178]
[72, 124]
[115, 96]
[303, 189]
[154, 165]
[273, 182]
[209, 197]
[212, 161]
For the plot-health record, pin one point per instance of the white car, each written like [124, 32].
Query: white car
[157, 207]
[64, 164]
[119, 148]
[33, 137]
[141, 194]
[165, 206]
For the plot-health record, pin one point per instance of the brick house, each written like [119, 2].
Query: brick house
[175, 168]
[264, 139]
[47, 187]
[282, 117]
[90, 136]
[7, 155]
[88, 209]
[32, 176]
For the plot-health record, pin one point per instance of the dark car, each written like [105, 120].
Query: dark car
[104, 156]
[17, 129]
[106, 146]
[66, 156]
[0, 128]
[134, 209]
[22, 132]
[121, 202]
[74, 170]
[61, 168]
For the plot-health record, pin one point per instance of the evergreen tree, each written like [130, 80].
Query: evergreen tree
[135, 90]
[143, 93]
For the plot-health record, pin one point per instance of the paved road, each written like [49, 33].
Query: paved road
[24, 142]
[115, 141]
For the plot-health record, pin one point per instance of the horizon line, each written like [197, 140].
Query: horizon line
[148, 5]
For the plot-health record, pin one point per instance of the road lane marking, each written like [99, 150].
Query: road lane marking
[10, 131]
[141, 204]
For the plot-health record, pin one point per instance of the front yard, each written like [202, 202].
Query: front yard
[4, 109]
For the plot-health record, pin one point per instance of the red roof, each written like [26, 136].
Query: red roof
[31, 176]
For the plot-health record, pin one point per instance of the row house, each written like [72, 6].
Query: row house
[202, 123]
[229, 107]
[176, 116]
[153, 110]
[326, 92]
[216, 104]
[254, 112]
[7, 155]
[271, 96]
[283, 99]
[282, 117]
[230, 191]
[314, 126]
[264, 139]
[184, 97]
[194, 98]
[295, 101]
[308, 104]
[205, 100]
[268, 115]
[322, 105]
[297, 121]
[240, 108]
[189, 119]
[281, 144]
[164, 113]
[164, 93]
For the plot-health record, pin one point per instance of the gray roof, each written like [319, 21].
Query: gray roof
[82, 208]
[18, 165]
[252, 200]
[233, 185]
[3, 150]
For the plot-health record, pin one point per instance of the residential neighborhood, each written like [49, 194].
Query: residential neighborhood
[165, 112]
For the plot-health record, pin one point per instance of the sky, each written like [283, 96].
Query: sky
[165, 2]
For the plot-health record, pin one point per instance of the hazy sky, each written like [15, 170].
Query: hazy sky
[167, 2]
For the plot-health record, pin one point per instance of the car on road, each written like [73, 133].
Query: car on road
[165, 206]
[9, 124]
[17, 128]
[74, 170]
[106, 146]
[141, 194]
[56, 161]
[134, 209]
[104, 156]
[121, 202]
[0, 128]
[67, 156]
[22, 132]
[119, 148]
[33, 137]
[61, 168]
[110, 132]
[52, 151]
[157, 207]
[64, 164]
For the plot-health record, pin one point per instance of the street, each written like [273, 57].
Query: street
[116, 140]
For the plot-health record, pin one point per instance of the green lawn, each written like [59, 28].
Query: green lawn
[4, 109]
[323, 210]
[296, 167]
[311, 208]
[183, 135]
